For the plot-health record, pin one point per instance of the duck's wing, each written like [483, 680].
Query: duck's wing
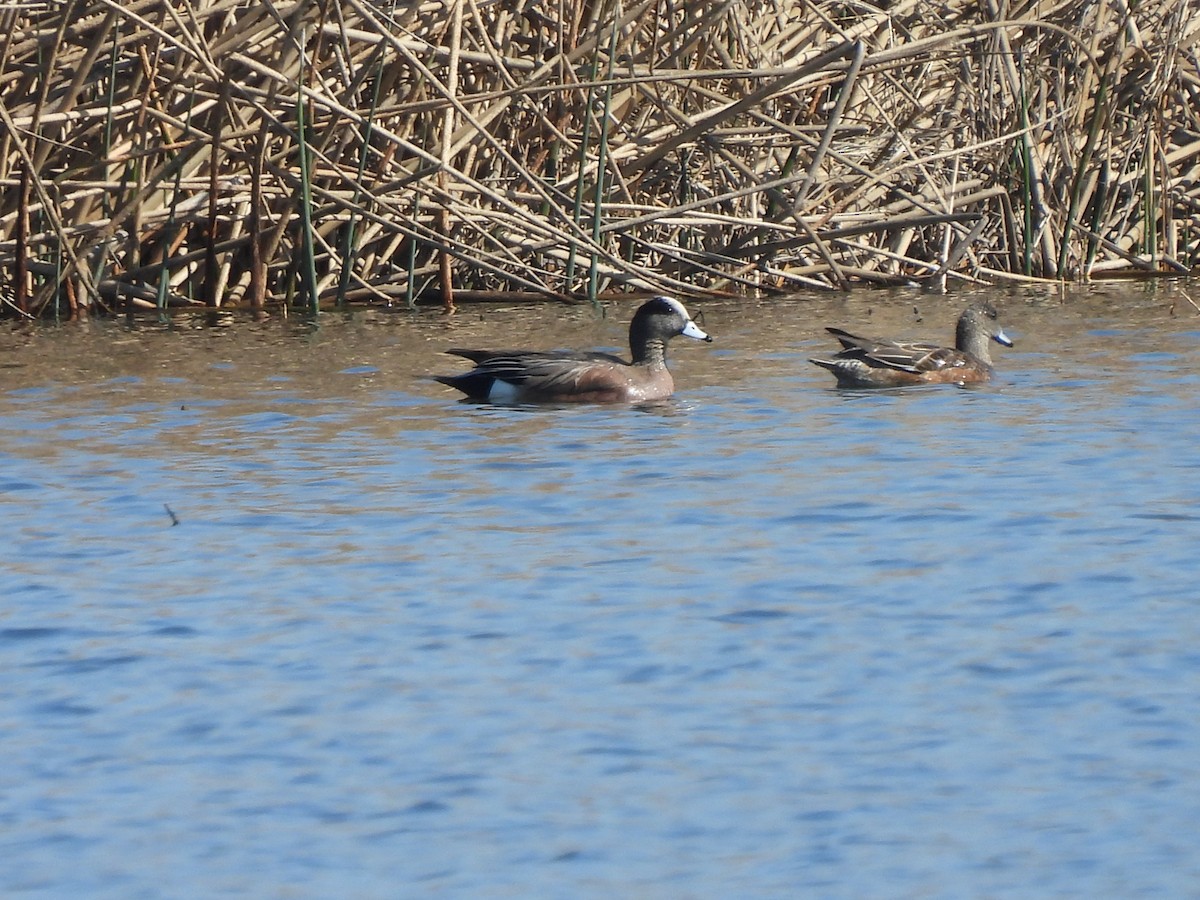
[543, 372]
[904, 356]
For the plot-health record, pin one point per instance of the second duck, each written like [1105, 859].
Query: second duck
[871, 362]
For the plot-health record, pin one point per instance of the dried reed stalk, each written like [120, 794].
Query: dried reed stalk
[217, 152]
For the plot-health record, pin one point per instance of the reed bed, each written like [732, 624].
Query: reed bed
[162, 153]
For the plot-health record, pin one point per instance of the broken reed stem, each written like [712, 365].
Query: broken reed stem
[258, 264]
[448, 125]
[601, 174]
[21, 250]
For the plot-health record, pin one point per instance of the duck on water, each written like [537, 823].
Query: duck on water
[878, 362]
[537, 376]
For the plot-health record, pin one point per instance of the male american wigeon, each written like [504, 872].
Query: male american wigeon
[533, 376]
[868, 363]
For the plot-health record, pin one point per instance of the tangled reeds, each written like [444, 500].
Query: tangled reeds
[218, 152]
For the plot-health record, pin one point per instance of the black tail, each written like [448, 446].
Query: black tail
[475, 386]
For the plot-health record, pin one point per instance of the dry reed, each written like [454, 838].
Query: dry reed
[220, 152]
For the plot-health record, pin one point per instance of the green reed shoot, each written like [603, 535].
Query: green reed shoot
[308, 259]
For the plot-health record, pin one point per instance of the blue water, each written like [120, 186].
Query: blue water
[769, 639]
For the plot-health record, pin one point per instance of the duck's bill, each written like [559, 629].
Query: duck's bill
[1001, 338]
[692, 330]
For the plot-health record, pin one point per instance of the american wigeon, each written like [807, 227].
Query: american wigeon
[869, 363]
[532, 376]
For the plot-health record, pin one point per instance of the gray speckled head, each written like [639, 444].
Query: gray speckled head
[977, 326]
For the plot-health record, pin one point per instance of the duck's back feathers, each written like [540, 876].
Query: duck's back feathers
[904, 356]
[533, 376]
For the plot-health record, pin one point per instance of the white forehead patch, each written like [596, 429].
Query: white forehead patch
[676, 305]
